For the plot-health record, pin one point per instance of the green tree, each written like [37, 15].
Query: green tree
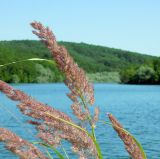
[145, 75]
[15, 78]
[156, 65]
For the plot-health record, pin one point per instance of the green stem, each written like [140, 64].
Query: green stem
[64, 151]
[49, 155]
[51, 147]
[32, 59]
[82, 129]
[89, 117]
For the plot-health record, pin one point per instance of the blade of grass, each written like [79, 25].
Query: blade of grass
[49, 155]
[25, 60]
[51, 147]
[80, 128]
[63, 149]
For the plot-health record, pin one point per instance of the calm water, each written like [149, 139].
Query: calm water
[137, 107]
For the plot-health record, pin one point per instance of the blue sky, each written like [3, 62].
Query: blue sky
[127, 24]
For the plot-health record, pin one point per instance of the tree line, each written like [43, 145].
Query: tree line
[102, 64]
[142, 74]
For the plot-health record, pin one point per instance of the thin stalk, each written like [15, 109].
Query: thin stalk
[64, 151]
[49, 154]
[25, 60]
[80, 128]
[89, 117]
[51, 147]
[69, 123]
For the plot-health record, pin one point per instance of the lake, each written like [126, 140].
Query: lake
[137, 107]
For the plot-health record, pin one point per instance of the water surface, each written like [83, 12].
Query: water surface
[136, 106]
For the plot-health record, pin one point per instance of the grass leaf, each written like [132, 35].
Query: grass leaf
[51, 147]
[32, 59]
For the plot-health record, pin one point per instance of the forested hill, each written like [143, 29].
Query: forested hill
[98, 58]
[102, 64]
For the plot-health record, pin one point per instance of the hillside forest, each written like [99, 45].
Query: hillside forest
[102, 64]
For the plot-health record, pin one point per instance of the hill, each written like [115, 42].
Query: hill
[102, 64]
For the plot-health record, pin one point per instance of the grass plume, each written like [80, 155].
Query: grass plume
[53, 125]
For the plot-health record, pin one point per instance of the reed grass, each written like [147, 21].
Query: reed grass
[54, 125]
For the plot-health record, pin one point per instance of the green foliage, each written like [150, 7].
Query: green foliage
[144, 74]
[110, 77]
[44, 74]
[100, 59]
[156, 66]
[26, 72]
[15, 78]
[103, 64]
[127, 75]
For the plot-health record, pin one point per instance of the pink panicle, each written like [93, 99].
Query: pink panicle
[20, 147]
[75, 77]
[51, 130]
[130, 144]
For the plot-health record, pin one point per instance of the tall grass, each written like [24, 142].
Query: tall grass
[53, 125]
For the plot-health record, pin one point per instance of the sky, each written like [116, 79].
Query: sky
[126, 24]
